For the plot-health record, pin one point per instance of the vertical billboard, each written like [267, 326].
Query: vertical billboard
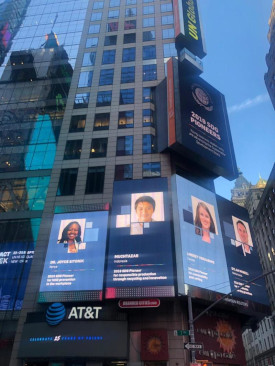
[140, 249]
[188, 30]
[15, 264]
[74, 265]
[214, 244]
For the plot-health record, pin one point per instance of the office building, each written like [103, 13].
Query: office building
[103, 184]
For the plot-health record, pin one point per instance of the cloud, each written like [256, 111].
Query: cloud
[248, 103]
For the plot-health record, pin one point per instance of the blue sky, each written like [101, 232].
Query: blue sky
[236, 41]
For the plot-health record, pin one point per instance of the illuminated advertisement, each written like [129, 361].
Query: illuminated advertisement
[15, 264]
[214, 245]
[75, 257]
[188, 31]
[140, 249]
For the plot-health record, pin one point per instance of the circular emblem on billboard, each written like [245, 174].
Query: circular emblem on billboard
[55, 313]
[202, 97]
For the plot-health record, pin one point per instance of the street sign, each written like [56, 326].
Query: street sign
[181, 332]
[193, 346]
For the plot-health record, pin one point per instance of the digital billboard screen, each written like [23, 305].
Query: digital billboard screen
[215, 249]
[74, 265]
[140, 249]
[15, 264]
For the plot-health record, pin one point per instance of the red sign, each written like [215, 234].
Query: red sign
[146, 303]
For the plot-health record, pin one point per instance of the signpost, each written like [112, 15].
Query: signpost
[181, 332]
[193, 346]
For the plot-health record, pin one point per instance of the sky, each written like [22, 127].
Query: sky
[235, 33]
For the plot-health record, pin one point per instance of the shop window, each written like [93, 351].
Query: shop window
[110, 40]
[73, 149]
[149, 52]
[67, 182]
[149, 36]
[129, 54]
[99, 148]
[106, 77]
[123, 172]
[126, 119]
[127, 96]
[151, 170]
[108, 57]
[127, 74]
[81, 100]
[149, 72]
[104, 98]
[95, 180]
[124, 145]
[77, 123]
[102, 121]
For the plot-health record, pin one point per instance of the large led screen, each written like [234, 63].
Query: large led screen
[214, 244]
[140, 249]
[74, 265]
[15, 264]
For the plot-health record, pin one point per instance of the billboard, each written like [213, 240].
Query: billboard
[99, 339]
[214, 244]
[140, 249]
[15, 264]
[188, 30]
[74, 265]
[198, 126]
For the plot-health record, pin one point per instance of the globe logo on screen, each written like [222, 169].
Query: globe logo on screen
[55, 313]
[202, 97]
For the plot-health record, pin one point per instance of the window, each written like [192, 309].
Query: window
[85, 79]
[98, 148]
[127, 96]
[81, 100]
[149, 36]
[127, 74]
[131, 2]
[96, 16]
[130, 12]
[148, 10]
[126, 119]
[150, 170]
[104, 98]
[124, 145]
[129, 38]
[114, 3]
[110, 41]
[169, 50]
[92, 42]
[95, 28]
[166, 7]
[168, 33]
[95, 180]
[148, 118]
[148, 52]
[147, 95]
[89, 59]
[167, 19]
[113, 14]
[124, 172]
[67, 182]
[112, 27]
[148, 22]
[108, 57]
[129, 54]
[130, 24]
[98, 5]
[77, 123]
[106, 77]
[148, 1]
[149, 144]
[149, 72]
[102, 121]
[73, 149]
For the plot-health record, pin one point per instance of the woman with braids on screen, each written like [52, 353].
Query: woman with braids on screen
[71, 235]
[204, 221]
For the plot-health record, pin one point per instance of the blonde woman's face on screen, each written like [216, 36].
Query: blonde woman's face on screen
[204, 218]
